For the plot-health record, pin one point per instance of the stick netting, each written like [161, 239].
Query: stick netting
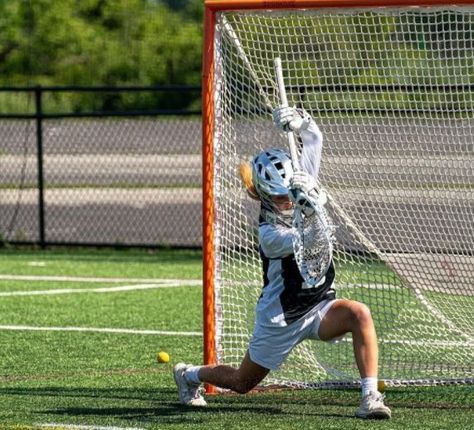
[392, 91]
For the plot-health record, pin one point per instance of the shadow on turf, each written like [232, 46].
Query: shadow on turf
[95, 393]
[160, 405]
[173, 412]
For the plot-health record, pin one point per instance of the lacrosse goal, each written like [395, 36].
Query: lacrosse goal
[392, 91]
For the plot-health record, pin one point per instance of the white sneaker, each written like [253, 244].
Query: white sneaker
[372, 406]
[189, 393]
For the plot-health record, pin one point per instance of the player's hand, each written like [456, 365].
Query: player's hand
[302, 201]
[303, 181]
[322, 197]
[307, 186]
[288, 119]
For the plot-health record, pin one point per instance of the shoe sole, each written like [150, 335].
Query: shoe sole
[377, 415]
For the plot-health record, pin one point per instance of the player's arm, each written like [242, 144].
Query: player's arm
[301, 122]
[312, 149]
[304, 190]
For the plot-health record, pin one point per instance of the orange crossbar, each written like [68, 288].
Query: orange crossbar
[289, 4]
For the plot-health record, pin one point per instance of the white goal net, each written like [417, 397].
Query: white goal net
[392, 90]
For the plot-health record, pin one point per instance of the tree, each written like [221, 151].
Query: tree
[100, 42]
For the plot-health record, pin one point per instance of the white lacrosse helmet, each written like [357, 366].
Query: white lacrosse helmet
[272, 171]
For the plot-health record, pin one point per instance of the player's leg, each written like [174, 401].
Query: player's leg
[268, 349]
[348, 316]
[241, 380]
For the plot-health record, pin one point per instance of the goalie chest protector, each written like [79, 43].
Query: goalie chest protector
[286, 285]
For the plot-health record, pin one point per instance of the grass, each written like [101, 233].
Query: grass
[92, 378]
[160, 263]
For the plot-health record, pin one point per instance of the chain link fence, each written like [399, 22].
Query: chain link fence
[119, 178]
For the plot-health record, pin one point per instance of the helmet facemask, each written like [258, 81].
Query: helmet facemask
[272, 172]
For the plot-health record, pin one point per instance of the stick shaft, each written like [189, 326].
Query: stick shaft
[284, 102]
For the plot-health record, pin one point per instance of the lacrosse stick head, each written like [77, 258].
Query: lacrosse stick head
[272, 171]
[313, 240]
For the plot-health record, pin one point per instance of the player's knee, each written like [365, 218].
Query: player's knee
[361, 315]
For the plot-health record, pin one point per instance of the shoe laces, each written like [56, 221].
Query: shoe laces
[195, 391]
[199, 392]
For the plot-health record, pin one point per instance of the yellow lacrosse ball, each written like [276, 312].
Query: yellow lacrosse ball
[381, 386]
[163, 357]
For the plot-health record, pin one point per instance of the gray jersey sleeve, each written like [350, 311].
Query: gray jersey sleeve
[312, 148]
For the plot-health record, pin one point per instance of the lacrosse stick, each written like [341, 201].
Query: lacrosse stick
[313, 234]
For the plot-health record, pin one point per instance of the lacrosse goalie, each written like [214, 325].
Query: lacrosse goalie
[290, 309]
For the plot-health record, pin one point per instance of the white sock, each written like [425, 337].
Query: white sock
[191, 374]
[368, 384]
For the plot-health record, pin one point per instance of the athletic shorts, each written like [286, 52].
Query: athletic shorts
[270, 345]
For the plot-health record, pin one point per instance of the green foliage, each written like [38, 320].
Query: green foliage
[155, 42]
[99, 42]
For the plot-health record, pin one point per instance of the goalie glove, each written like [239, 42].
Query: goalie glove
[288, 119]
[305, 192]
[304, 202]
[303, 181]
[309, 185]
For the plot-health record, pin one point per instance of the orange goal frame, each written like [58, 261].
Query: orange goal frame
[211, 8]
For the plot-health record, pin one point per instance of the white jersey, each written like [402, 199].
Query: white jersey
[285, 297]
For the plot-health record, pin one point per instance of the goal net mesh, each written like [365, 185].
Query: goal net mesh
[392, 91]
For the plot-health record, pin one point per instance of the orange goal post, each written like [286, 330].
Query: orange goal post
[391, 85]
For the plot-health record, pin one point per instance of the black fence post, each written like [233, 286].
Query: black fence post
[39, 142]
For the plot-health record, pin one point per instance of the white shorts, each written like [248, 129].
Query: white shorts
[270, 345]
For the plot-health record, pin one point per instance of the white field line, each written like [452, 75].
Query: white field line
[165, 283]
[120, 289]
[368, 286]
[83, 427]
[429, 343]
[101, 330]
[87, 279]
[171, 281]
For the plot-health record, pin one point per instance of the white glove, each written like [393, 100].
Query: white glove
[303, 181]
[305, 191]
[289, 119]
[322, 197]
[302, 200]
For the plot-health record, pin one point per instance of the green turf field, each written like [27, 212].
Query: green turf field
[79, 334]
